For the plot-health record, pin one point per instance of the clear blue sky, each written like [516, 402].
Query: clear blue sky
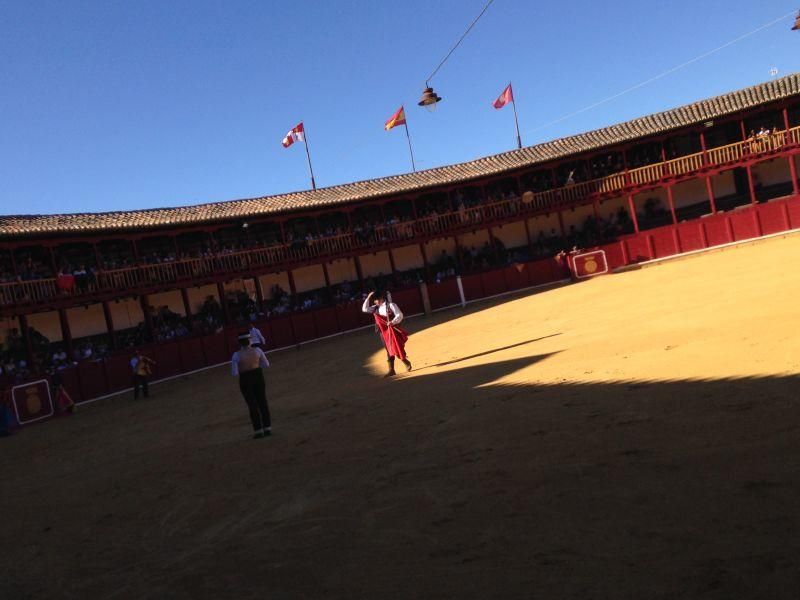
[111, 105]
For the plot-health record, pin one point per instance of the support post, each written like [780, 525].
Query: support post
[187, 308]
[632, 210]
[710, 191]
[144, 302]
[792, 167]
[671, 202]
[109, 325]
[750, 185]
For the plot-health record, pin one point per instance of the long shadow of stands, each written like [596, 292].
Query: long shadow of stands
[488, 352]
[443, 484]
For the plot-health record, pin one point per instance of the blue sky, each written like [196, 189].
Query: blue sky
[119, 105]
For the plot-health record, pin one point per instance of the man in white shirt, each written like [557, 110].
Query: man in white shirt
[256, 338]
[246, 363]
[388, 317]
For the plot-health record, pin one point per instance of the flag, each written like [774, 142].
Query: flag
[296, 134]
[504, 98]
[398, 118]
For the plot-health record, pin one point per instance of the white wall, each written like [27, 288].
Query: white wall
[308, 278]
[341, 270]
[772, 171]
[272, 279]
[408, 258]
[434, 248]
[196, 297]
[689, 192]
[512, 234]
[84, 322]
[373, 265]
[723, 184]
[172, 300]
[475, 239]
[48, 324]
[544, 224]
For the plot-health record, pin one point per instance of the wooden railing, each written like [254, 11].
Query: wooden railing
[244, 261]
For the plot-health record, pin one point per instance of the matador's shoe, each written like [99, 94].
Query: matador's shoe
[407, 363]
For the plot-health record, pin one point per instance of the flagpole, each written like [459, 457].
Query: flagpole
[410, 151]
[308, 156]
[516, 122]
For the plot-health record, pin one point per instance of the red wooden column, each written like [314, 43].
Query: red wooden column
[359, 272]
[710, 192]
[391, 261]
[425, 261]
[632, 210]
[187, 308]
[144, 302]
[750, 185]
[66, 333]
[292, 287]
[671, 202]
[223, 300]
[792, 167]
[109, 325]
[527, 234]
[26, 338]
[459, 262]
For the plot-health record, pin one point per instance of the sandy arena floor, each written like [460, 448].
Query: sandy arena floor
[636, 436]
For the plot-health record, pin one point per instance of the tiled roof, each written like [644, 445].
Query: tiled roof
[690, 114]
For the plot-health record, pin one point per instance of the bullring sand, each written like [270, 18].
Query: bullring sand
[633, 436]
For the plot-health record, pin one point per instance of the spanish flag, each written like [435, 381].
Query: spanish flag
[398, 118]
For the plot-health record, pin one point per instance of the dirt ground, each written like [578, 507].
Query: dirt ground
[634, 436]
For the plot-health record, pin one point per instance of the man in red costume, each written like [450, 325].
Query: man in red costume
[388, 317]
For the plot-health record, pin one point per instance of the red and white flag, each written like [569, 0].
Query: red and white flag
[504, 98]
[296, 134]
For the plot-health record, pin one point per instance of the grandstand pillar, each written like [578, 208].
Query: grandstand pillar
[425, 263]
[292, 286]
[326, 275]
[632, 210]
[750, 185]
[359, 272]
[391, 261]
[703, 147]
[710, 192]
[259, 291]
[26, 338]
[223, 300]
[187, 307]
[493, 242]
[792, 167]
[459, 262]
[671, 202]
[109, 324]
[144, 302]
[527, 234]
[53, 262]
[561, 224]
[98, 261]
[66, 333]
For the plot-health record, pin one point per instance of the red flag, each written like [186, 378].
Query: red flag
[398, 118]
[296, 134]
[504, 98]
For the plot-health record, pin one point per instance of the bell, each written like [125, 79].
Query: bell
[796, 22]
[429, 99]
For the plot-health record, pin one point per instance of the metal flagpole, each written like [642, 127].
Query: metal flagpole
[308, 156]
[516, 122]
[410, 151]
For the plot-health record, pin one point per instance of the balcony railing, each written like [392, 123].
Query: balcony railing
[465, 219]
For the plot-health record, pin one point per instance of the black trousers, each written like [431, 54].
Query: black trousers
[140, 382]
[251, 384]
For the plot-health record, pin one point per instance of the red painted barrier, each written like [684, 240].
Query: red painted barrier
[716, 229]
[744, 224]
[71, 383]
[691, 237]
[118, 371]
[516, 276]
[615, 256]
[349, 315]
[793, 209]
[192, 357]
[92, 379]
[444, 294]
[409, 301]
[637, 248]
[663, 242]
[168, 360]
[282, 334]
[493, 282]
[215, 349]
[473, 287]
[773, 217]
[325, 322]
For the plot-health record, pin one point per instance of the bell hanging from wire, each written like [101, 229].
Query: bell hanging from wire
[429, 99]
